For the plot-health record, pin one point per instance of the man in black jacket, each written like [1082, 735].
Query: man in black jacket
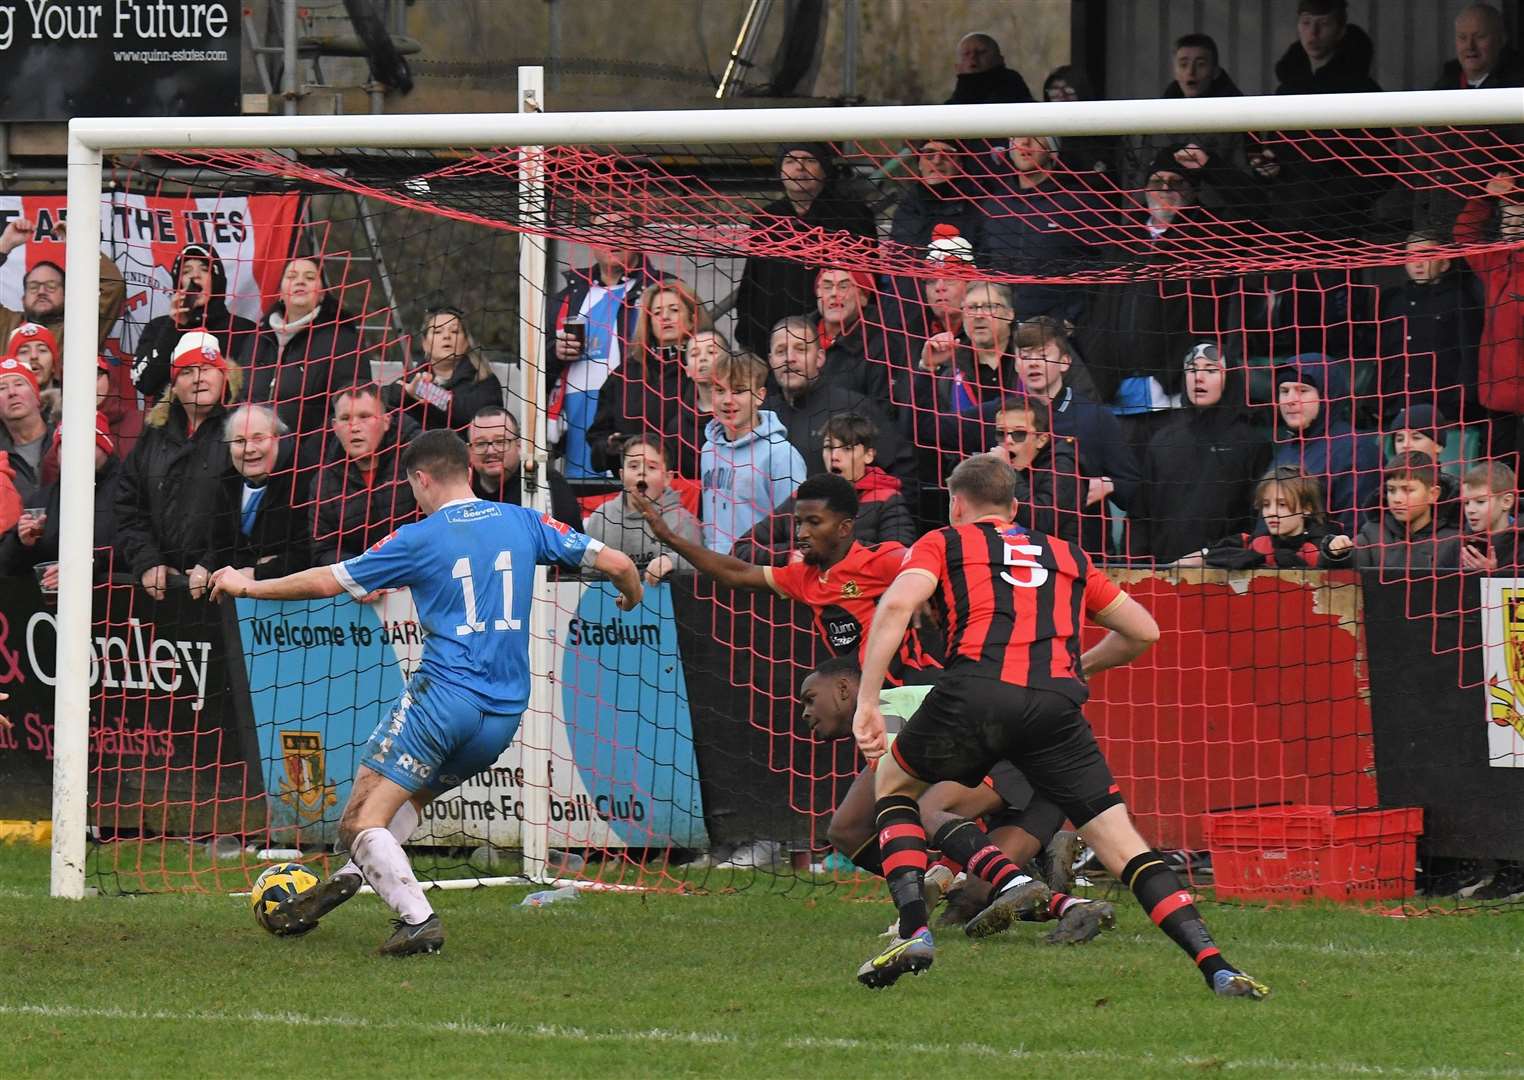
[1200, 470]
[1314, 186]
[170, 483]
[199, 302]
[362, 495]
[805, 398]
[814, 197]
[256, 524]
[1047, 223]
[983, 78]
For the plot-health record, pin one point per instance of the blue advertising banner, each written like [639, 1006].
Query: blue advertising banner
[323, 673]
[624, 703]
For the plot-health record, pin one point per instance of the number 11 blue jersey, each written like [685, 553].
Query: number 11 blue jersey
[470, 566]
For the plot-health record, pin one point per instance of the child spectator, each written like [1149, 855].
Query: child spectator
[1314, 436]
[882, 512]
[1049, 492]
[1488, 498]
[1421, 429]
[1410, 537]
[24, 434]
[748, 464]
[1430, 328]
[644, 467]
[1296, 531]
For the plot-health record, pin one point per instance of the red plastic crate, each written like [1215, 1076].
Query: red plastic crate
[1299, 852]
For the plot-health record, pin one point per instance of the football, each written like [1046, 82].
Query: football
[283, 881]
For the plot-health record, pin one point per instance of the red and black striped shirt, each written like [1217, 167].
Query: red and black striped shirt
[1013, 602]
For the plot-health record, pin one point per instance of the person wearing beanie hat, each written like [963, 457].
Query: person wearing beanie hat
[170, 482]
[37, 345]
[1313, 433]
[198, 302]
[1420, 427]
[948, 245]
[25, 434]
[814, 198]
[35, 539]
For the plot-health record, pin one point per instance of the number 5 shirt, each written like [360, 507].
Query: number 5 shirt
[1013, 602]
[470, 566]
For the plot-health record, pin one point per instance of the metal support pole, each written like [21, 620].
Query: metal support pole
[538, 727]
[290, 85]
[849, 47]
[76, 532]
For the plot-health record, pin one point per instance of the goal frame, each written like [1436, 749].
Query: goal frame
[90, 139]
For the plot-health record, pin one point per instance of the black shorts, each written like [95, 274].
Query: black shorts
[969, 723]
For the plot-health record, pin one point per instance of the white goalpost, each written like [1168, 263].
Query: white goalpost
[530, 129]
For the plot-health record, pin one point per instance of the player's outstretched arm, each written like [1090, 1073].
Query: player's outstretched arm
[312, 584]
[622, 572]
[899, 603]
[1133, 632]
[725, 569]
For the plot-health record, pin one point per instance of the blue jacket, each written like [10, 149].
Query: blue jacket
[1348, 462]
[745, 479]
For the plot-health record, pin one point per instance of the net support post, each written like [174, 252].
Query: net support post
[76, 539]
[537, 730]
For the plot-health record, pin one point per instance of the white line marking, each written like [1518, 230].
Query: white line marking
[557, 1032]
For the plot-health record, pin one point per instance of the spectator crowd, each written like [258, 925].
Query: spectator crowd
[1309, 418]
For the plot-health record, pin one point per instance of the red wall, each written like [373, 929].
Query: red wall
[1254, 695]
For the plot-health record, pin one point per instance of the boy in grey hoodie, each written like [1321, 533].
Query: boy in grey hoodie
[748, 464]
[644, 467]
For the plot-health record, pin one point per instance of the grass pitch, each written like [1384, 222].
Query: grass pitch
[734, 985]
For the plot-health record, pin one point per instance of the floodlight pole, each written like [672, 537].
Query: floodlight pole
[76, 525]
[536, 740]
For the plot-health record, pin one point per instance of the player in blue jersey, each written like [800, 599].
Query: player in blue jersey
[470, 565]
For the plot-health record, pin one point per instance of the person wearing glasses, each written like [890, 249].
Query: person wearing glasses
[42, 299]
[255, 524]
[1050, 495]
[495, 450]
[453, 382]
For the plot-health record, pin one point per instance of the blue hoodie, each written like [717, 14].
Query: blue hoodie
[745, 479]
[1348, 463]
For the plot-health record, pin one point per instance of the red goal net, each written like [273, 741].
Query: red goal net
[1268, 381]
